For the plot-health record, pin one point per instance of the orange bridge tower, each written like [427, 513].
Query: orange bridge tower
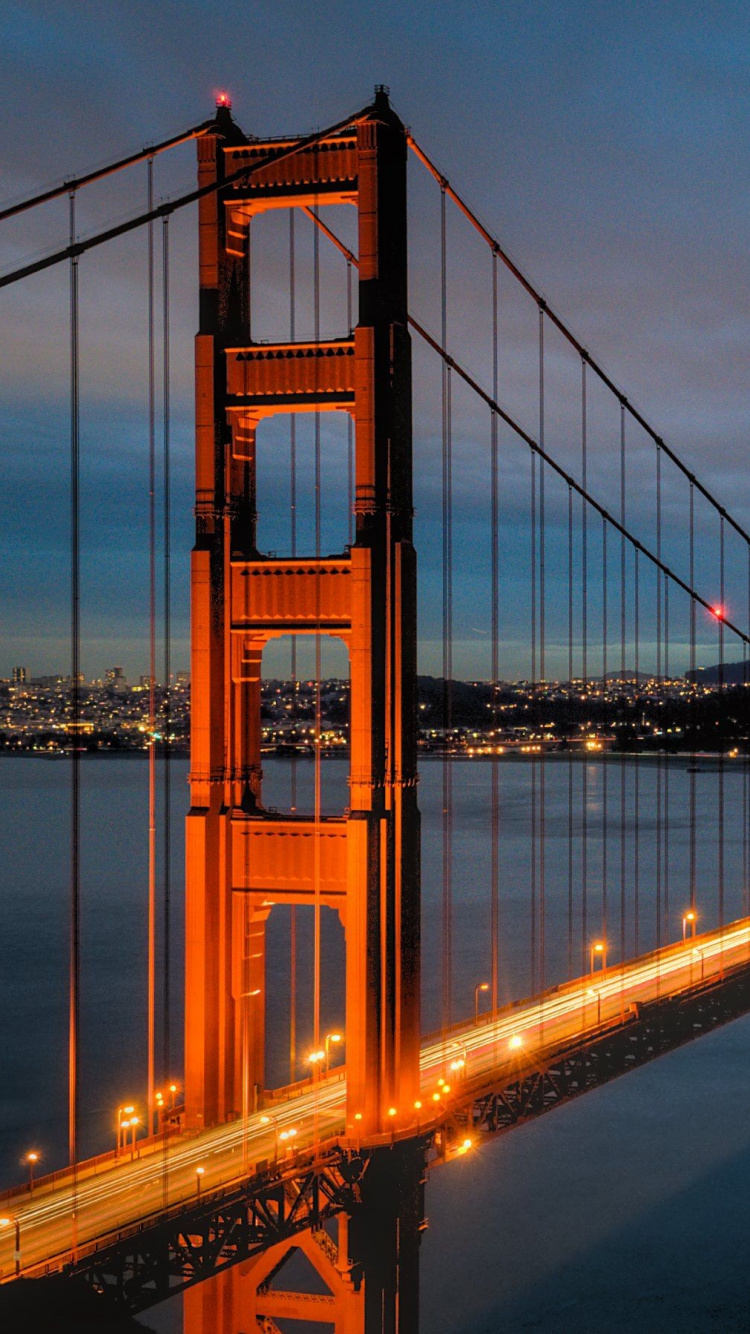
[241, 858]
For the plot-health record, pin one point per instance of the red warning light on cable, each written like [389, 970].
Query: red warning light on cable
[223, 100]
[718, 611]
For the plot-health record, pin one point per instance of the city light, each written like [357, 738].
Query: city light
[515, 1042]
[688, 922]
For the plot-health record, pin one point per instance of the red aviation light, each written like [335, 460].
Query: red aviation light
[718, 611]
[223, 100]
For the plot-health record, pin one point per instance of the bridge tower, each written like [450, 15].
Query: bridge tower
[241, 858]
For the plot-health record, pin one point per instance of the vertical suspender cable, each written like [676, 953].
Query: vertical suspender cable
[542, 659]
[623, 634]
[447, 518]
[570, 749]
[666, 769]
[745, 768]
[605, 692]
[318, 662]
[636, 770]
[495, 665]
[659, 678]
[584, 669]
[722, 705]
[151, 658]
[693, 703]
[293, 523]
[167, 728]
[75, 667]
[166, 694]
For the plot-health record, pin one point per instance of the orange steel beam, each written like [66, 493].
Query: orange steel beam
[242, 598]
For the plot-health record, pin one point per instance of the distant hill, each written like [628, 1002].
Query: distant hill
[732, 673]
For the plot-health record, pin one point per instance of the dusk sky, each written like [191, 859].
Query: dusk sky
[607, 147]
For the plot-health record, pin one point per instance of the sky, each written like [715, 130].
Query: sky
[606, 146]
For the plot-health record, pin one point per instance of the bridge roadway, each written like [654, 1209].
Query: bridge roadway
[557, 1020]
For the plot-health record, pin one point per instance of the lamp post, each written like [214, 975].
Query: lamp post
[329, 1038]
[199, 1171]
[133, 1124]
[15, 1223]
[688, 921]
[172, 1092]
[287, 1138]
[481, 986]
[32, 1159]
[122, 1125]
[598, 951]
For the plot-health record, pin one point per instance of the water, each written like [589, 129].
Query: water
[626, 1209]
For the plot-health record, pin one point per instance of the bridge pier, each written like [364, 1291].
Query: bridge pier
[362, 1277]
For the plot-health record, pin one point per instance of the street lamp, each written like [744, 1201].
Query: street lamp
[598, 951]
[287, 1137]
[121, 1125]
[172, 1091]
[15, 1223]
[131, 1125]
[199, 1171]
[688, 920]
[481, 986]
[516, 1042]
[593, 991]
[32, 1159]
[329, 1038]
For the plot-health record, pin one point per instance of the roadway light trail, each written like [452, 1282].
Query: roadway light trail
[132, 1189]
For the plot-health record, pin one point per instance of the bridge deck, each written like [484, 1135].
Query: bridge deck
[493, 1050]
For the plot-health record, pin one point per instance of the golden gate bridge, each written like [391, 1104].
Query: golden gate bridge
[232, 1178]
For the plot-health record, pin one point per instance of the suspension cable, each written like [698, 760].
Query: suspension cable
[293, 547]
[623, 637]
[659, 756]
[151, 1003]
[586, 495]
[636, 770]
[542, 662]
[605, 771]
[570, 748]
[584, 662]
[318, 669]
[99, 173]
[559, 324]
[168, 206]
[447, 579]
[495, 662]
[167, 611]
[75, 711]
[721, 716]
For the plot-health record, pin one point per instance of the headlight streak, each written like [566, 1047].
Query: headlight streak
[137, 1185]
